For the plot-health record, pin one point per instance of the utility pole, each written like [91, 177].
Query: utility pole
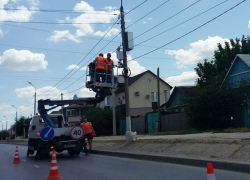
[125, 70]
[113, 105]
[34, 98]
[158, 123]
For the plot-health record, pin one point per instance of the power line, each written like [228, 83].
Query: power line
[135, 7]
[94, 47]
[56, 50]
[181, 23]
[167, 19]
[190, 31]
[85, 56]
[64, 23]
[60, 11]
[148, 13]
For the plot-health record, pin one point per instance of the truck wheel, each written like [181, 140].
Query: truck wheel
[46, 155]
[71, 152]
[77, 152]
[39, 155]
[31, 152]
[28, 152]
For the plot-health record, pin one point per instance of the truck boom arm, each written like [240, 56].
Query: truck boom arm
[43, 111]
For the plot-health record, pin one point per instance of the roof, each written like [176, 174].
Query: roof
[243, 57]
[131, 80]
[186, 91]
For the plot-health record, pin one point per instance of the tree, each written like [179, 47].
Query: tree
[22, 123]
[102, 120]
[211, 107]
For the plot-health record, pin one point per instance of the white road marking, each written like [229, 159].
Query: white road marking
[36, 166]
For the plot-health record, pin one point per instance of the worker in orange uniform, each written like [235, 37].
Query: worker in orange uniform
[100, 64]
[88, 130]
[109, 68]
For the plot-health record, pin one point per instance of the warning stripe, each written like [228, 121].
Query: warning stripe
[54, 168]
[53, 161]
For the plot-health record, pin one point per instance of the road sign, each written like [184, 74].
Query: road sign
[76, 132]
[47, 133]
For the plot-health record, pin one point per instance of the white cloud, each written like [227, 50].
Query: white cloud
[200, 50]
[73, 66]
[89, 15]
[1, 33]
[134, 66]
[83, 68]
[47, 92]
[4, 106]
[85, 92]
[23, 60]
[187, 78]
[112, 32]
[33, 2]
[16, 15]
[63, 36]
[146, 20]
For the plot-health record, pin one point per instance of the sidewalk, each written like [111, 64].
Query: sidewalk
[214, 146]
[225, 150]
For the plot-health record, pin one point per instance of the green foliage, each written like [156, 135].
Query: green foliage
[22, 123]
[212, 106]
[102, 120]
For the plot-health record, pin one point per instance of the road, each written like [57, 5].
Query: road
[95, 167]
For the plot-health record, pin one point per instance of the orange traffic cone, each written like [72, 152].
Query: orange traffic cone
[16, 158]
[210, 172]
[54, 174]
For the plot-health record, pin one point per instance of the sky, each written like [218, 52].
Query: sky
[50, 43]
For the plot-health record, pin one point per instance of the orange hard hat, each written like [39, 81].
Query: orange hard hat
[108, 54]
[100, 54]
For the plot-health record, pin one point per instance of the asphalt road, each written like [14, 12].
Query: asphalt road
[95, 167]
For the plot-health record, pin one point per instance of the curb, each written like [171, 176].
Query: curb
[225, 165]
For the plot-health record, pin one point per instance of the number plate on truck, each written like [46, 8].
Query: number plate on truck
[69, 145]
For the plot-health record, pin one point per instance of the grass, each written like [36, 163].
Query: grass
[194, 131]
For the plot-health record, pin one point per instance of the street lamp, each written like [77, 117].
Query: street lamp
[35, 97]
[16, 120]
[6, 126]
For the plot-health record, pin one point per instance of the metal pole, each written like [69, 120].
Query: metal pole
[128, 120]
[35, 103]
[113, 105]
[6, 129]
[158, 123]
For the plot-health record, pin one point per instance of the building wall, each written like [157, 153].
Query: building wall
[144, 87]
[141, 104]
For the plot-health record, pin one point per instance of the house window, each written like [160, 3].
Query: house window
[154, 96]
[107, 101]
[166, 95]
[148, 81]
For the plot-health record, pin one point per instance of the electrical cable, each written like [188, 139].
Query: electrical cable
[29, 22]
[85, 56]
[166, 19]
[147, 14]
[180, 23]
[58, 11]
[191, 30]
[135, 7]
